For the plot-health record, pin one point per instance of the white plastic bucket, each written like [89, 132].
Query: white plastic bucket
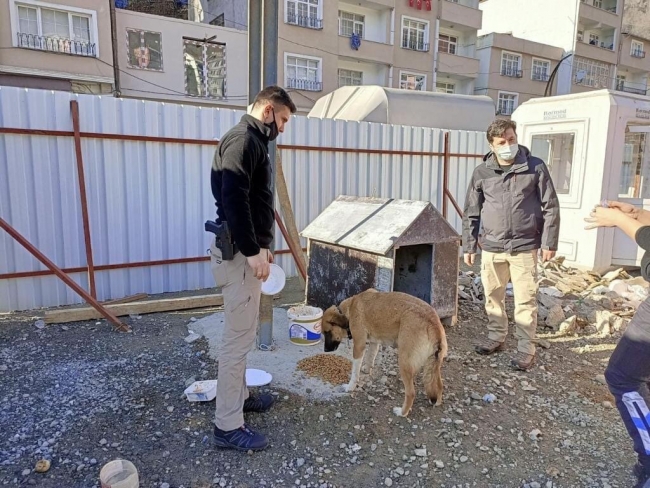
[305, 325]
[119, 474]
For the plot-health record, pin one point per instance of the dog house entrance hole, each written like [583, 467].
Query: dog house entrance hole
[413, 271]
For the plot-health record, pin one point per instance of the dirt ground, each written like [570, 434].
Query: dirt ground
[81, 395]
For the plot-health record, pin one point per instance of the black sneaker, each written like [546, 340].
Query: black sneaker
[242, 439]
[642, 476]
[259, 404]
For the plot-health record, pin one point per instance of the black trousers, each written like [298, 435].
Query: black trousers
[628, 378]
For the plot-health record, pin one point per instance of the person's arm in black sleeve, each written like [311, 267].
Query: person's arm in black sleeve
[472, 216]
[642, 237]
[237, 160]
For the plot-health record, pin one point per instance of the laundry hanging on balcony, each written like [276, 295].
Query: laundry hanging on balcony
[355, 41]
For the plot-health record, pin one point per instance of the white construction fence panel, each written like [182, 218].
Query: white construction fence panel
[147, 201]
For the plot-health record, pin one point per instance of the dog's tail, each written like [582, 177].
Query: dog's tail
[432, 372]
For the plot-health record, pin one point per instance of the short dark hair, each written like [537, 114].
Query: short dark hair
[500, 127]
[277, 96]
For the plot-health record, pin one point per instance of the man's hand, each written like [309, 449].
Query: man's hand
[626, 208]
[469, 259]
[547, 255]
[260, 264]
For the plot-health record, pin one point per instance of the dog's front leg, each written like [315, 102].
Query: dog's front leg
[357, 354]
[373, 349]
[354, 376]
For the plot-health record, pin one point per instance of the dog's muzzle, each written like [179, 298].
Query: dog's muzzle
[330, 344]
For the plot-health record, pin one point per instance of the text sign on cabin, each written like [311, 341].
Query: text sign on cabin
[419, 3]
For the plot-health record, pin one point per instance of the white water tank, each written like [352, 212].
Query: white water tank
[406, 107]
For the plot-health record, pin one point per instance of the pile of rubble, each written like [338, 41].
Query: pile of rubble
[571, 300]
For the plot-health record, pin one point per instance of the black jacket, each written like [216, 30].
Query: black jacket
[241, 185]
[519, 210]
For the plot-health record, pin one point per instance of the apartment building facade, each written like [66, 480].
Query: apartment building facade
[513, 70]
[589, 31]
[409, 44]
[56, 46]
[68, 46]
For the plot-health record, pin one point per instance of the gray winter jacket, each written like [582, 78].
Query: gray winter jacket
[519, 210]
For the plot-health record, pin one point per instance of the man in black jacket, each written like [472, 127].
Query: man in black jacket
[241, 185]
[512, 195]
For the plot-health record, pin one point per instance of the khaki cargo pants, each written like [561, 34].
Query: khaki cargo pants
[520, 268]
[241, 297]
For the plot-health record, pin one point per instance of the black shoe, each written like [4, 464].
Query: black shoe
[642, 476]
[259, 404]
[242, 439]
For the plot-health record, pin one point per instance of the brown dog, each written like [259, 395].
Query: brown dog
[396, 319]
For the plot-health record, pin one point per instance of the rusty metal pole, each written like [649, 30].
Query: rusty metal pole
[74, 107]
[64, 277]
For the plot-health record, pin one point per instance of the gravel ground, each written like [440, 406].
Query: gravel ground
[81, 395]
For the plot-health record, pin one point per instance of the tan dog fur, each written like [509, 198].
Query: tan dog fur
[396, 319]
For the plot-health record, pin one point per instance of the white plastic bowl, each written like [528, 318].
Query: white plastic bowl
[202, 391]
[275, 282]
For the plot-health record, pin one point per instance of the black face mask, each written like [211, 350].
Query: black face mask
[275, 132]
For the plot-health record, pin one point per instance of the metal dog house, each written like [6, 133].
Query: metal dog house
[359, 243]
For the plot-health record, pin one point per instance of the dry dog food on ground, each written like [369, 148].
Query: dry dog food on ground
[327, 367]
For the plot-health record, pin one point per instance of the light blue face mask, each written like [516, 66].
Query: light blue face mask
[507, 153]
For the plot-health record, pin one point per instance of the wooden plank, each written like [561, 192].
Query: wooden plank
[289, 219]
[132, 298]
[134, 308]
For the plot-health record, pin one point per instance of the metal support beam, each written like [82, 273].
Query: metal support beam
[270, 77]
[116, 69]
[254, 48]
[111, 317]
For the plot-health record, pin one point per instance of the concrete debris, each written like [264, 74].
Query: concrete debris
[573, 301]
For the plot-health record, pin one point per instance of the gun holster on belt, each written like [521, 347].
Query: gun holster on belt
[223, 239]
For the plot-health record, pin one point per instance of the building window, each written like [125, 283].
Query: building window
[348, 77]
[304, 13]
[415, 34]
[412, 81]
[447, 44]
[56, 30]
[511, 65]
[444, 87]
[556, 150]
[507, 103]
[588, 72]
[541, 69]
[219, 21]
[205, 69]
[144, 49]
[303, 73]
[350, 24]
[637, 50]
[631, 179]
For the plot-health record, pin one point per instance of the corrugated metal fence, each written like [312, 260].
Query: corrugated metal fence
[148, 193]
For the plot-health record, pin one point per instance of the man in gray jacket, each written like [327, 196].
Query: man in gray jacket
[512, 195]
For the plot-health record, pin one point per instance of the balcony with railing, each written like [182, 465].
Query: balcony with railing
[512, 72]
[414, 45]
[607, 5]
[57, 45]
[635, 88]
[305, 85]
[596, 42]
[308, 21]
[462, 14]
[539, 75]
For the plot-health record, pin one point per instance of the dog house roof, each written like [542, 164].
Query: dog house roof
[376, 225]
